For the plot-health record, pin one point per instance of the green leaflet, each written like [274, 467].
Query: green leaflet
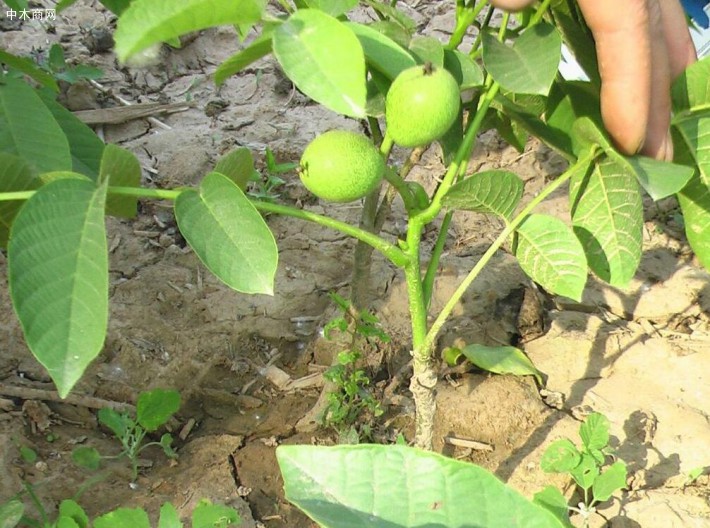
[324, 59]
[58, 275]
[228, 234]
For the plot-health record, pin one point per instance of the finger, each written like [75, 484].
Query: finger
[511, 5]
[658, 143]
[681, 50]
[623, 42]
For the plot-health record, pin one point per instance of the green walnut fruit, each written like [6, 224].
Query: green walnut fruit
[422, 104]
[341, 166]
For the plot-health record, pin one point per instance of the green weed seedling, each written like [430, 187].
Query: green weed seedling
[56, 65]
[153, 410]
[266, 186]
[587, 465]
[350, 398]
[72, 515]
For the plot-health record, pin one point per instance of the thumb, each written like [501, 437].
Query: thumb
[623, 41]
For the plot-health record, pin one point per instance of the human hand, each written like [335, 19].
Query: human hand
[642, 45]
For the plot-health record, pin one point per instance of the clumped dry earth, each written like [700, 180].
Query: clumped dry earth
[639, 356]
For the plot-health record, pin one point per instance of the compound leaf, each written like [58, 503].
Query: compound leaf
[494, 192]
[228, 234]
[154, 408]
[501, 360]
[609, 481]
[356, 486]
[148, 22]
[528, 66]
[58, 275]
[607, 217]
[550, 254]
[28, 129]
[324, 59]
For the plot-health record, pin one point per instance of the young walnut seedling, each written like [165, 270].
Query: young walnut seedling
[586, 466]
[154, 409]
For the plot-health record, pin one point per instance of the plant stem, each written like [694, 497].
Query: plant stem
[581, 163]
[362, 256]
[142, 192]
[392, 252]
[476, 49]
[396, 181]
[433, 266]
[36, 502]
[386, 146]
[424, 376]
[17, 195]
[465, 17]
[537, 17]
[375, 129]
[139, 192]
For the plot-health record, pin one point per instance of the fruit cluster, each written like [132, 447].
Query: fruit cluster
[422, 103]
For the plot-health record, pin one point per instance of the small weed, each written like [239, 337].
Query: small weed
[265, 186]
[694, 474]
[153, 410]
[71, 514]
[351, 398]
[586, 466]
[56, 65]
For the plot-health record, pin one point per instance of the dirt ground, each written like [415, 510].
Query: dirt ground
[639, 356]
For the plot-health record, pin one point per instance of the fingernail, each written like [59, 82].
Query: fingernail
[661, 149]
[667, 147]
